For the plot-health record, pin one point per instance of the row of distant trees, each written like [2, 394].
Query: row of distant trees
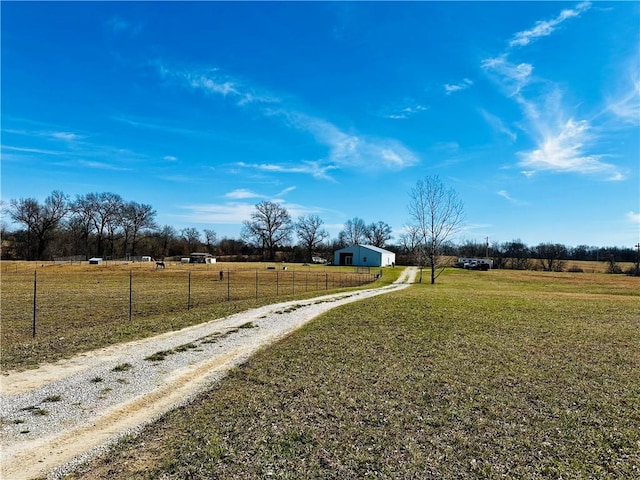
[551, 257]
[106, 225]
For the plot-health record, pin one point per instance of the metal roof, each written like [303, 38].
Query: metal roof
[368, 247]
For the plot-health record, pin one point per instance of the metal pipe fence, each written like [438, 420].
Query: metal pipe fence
[36, 303]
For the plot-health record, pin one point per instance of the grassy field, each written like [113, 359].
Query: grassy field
[81, 307]
[496, 374]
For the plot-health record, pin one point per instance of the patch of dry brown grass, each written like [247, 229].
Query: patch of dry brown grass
[80, 307]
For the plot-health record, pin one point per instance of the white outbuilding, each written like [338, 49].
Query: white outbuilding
[364, 256]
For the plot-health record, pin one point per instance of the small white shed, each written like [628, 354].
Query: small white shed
[364, 256]
[95, 261]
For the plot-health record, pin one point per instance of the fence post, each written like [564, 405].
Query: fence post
[256, 284]
[326, 281]
[35, 292]
[293, 282]
[189, 290]
[228, 285]
[130, 293]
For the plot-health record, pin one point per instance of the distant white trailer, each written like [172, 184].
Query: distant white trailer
[475, 263]
[146, 258]
[95, 261]
[185, 260]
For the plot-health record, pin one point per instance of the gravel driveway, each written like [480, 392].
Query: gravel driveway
[61, 414]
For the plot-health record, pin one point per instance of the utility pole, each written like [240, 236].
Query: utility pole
[637, 245]
[487, 244]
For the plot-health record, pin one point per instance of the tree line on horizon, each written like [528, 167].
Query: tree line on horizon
[106, 225]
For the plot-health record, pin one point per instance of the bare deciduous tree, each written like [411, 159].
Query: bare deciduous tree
[134, 218]
[518, 254]
[270, 226]
[231, 246]
[437, 213]
[101, 212]
[378, 234]
[410, 242]
[354, 232]
[82, 213]
[499, 257]
[40, 220]
[191, 237]
[551, 256]
[210, 238]
[311, 234]
[166, 236]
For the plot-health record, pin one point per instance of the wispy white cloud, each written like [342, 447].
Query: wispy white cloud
[404, 112]
[507, 196]
[213, 82]
[67, 136]
[633, 217]
[513, 77]
[55, 135]
[151, 125]
[287, 190]
[102, 165]
[118, 25]
[235, 212]
[170, 158]
[472, 227]
[450, 88]
[229, 213]
[498, 125]
[313, 168]
[562, 144]
[545, 28]
[346, 150]
[74, 148]
[213, 86]
[242, 193]
[32, 150]
[177, 178]
[625, 105]
[564, 150]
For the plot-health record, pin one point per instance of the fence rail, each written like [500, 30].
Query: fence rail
[35, 303]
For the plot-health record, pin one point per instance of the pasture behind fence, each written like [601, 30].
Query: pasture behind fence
[35, 303]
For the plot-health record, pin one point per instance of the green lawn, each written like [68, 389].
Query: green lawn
[484, 375]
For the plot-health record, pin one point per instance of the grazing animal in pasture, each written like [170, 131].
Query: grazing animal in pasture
[160, 264]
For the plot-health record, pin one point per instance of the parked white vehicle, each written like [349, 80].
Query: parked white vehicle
[474, 263]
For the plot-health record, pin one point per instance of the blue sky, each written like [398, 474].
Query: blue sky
[529, 110]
